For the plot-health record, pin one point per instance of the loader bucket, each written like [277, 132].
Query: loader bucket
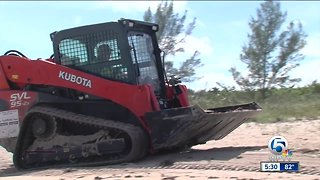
[188, 126]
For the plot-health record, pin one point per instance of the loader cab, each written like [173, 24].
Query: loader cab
[133, 56]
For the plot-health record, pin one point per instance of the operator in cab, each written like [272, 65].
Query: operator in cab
[115, 71]
[103, 53]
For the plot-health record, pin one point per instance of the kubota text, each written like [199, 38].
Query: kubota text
[75, 79]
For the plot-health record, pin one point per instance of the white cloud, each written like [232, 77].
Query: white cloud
[200, 23]
[192, 43]
[209, 80]
[216, 69]
[308, 71]
[309, 68]
[137, 6]
[312, 48]
[202, 44]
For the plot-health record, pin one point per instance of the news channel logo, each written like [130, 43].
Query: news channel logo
[278, 146]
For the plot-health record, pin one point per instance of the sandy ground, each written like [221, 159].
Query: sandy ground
[237, 156]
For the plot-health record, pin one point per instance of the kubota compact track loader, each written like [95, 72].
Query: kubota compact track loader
[75, 109]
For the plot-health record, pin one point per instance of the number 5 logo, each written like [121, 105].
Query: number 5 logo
[277, 145]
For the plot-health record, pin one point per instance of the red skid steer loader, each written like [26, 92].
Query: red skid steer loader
[102, 98]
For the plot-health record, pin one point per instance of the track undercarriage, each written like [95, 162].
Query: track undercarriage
[55, 137]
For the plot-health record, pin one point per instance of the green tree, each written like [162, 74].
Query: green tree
[270, 55]
[172, 33]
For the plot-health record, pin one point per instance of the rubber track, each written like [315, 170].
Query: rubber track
[138, 137]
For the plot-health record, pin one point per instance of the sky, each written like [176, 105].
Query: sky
[221, 31]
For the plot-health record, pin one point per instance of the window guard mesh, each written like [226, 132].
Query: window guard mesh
[82, 52]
